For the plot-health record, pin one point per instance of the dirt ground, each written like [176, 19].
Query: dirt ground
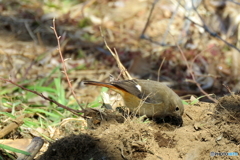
[207, 127]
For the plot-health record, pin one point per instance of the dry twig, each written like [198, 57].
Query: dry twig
[44, 97]
[63, 63]
[193, 77]
[123, 70]
[12, 126]
[33, 148]
[205, 27]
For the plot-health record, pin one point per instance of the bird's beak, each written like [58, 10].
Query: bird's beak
[177, 120]
[172, 119]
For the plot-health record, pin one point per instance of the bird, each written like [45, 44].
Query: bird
[147, 97]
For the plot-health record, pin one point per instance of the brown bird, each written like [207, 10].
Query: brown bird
[146, 97]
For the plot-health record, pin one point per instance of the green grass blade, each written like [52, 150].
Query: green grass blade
[60, 92]
[41, 82]
[2, 146]
[38, 110]
[42, 89]
[8, 115]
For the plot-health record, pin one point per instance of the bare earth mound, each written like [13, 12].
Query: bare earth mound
[207, 128]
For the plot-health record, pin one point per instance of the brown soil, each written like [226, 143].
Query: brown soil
[207, 128]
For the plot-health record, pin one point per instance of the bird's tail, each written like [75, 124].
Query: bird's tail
[102, 84]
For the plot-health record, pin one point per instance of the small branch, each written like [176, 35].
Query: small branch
[44, 97]
[157, 43]
[12, 126]
[30, 32]
[123, 70]
[191, 72]
[143, 36]
[33, 148]
[204, 26]
[193, 77]
[63, 64]
[148, 19]
[160, 67]
[228, 89]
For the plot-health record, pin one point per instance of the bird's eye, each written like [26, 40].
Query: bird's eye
[176, 109]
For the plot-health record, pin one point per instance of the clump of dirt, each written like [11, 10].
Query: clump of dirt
[204, 130]
[228, 108]
[81, 146]
[228, 115]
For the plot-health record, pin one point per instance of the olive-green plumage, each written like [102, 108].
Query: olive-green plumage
[146, 97]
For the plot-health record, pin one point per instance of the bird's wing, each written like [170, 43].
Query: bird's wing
[138, 89]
